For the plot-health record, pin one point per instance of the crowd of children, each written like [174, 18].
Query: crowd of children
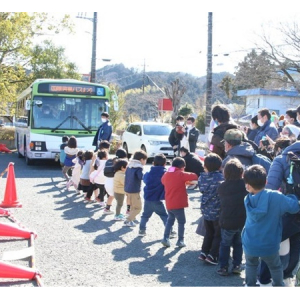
[239, 213]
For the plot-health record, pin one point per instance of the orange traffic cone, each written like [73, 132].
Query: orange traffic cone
[3, 148]
[12, 271]
[13, 230]
[10, 197]
[4, 212]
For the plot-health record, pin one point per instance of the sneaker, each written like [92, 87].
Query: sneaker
[212, 260]
[142, 232]
[166, 243]
[87, 199]
[129, 224]
[237, 269]
[202, 256]
[172, 234]
[101, 203]
[107, 211]
[288, 282]
[180, 244]
[119, 217]
[90, 202]
[223, 271]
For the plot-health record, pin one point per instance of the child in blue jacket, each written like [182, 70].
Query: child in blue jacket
[154, 193]
[262, 232]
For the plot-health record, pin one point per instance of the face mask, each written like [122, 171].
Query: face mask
[181, 123]
[103, 120]
[298, 119]
[260, 123]
[189, 126]
[217, 123]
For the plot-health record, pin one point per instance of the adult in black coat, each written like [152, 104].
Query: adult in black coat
[193, 163]
[177, 134]
[192, 134]
[221, 115]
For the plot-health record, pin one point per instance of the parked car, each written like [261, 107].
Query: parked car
[6, 121]
[152, 137]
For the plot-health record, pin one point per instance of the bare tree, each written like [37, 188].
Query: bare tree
[175, 94]
[285, 55]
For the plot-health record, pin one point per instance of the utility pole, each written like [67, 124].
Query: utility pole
[94, 46]
[93, 65]
[144, 76]
[209, 75]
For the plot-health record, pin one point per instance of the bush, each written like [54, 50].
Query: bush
[115, 144]
[7, 133]
[200, 122]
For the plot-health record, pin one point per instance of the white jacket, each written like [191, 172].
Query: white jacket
[97, 176]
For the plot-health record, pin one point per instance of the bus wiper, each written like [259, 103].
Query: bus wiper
[75, 118]
[86, 128]
[68, 117]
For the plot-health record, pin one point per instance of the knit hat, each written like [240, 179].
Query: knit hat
[293, 129]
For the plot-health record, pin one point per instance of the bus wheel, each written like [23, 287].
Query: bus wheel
[29, 161]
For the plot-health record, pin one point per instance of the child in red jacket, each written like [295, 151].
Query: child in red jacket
[174, 181]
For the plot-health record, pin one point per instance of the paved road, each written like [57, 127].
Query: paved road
[77, 246]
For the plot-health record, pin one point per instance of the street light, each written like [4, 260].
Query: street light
[94, 46]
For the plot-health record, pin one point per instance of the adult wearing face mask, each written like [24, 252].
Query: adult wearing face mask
[191, 134]
[104, 131]
[267, 128]
[221, 115]
[177, 134]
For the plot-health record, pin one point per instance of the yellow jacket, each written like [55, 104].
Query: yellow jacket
[119, 180]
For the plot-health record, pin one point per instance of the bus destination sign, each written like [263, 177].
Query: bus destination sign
[70, 88]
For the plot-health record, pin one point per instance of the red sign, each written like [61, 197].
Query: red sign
[165, 104]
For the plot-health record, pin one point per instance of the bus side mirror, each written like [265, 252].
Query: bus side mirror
[38, 103]
[27, 104]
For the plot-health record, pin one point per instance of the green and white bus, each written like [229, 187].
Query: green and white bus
[52, 108]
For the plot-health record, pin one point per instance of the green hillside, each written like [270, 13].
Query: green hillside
[127, 79]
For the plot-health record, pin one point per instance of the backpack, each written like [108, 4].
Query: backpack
[259, 159]
[293, 180]
[109, 168]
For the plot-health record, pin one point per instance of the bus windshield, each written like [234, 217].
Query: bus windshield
[67, 113]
